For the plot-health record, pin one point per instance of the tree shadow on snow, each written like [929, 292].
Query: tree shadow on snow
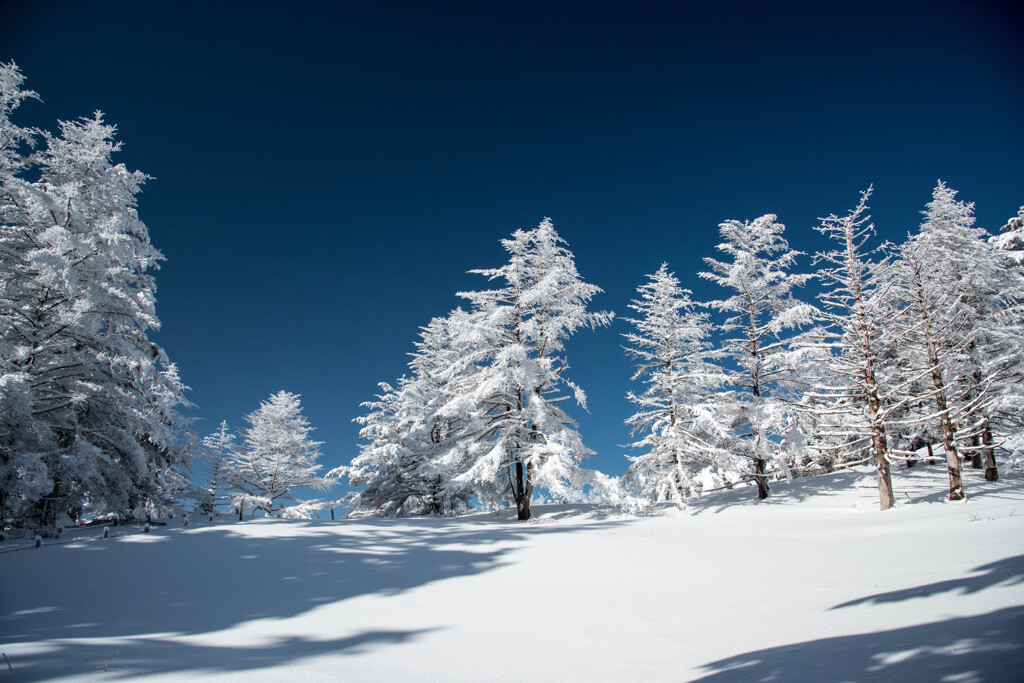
[196, 580]
[782, 492]
[1008, 571]
[968, 649]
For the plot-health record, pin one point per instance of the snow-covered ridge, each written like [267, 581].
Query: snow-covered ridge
[813, 583]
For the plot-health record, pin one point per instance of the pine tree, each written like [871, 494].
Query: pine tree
[420, 433]
[93, 402]
[953, 291]
[219, 448]
[857, 399]
[519, 331]
[762, 312]
[679, 411]
[276, 455]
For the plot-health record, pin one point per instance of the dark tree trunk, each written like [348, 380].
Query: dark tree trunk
[976, 453]
[762, 481]
[991, 473]
[881, 447]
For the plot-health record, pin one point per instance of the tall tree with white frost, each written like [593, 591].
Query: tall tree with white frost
[680, 411]
[952, 289]
[855, 405]
[762, 310]
[90, 421]
[520, 330]
[276, 455]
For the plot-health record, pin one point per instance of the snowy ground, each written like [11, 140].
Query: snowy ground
[813, 584]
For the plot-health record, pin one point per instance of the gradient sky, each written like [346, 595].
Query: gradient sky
[326, 173]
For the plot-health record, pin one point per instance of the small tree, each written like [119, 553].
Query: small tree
[219, 448]
[276, 455]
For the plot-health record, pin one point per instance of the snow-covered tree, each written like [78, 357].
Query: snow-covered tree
[276, 455]
[519, 331]
[679, 412]
[857, 400]
[762, 314]
[91, 414]
[218, 448]
[956, 339]
[420, 434]
[1011, 237]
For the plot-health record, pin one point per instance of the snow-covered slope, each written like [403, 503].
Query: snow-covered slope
[812, 584]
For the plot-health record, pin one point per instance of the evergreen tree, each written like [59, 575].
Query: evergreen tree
[92, 419]
[680, 410]
[276, 455]
[857, 398]
[519, 331]
[762, 315]
[219, 448]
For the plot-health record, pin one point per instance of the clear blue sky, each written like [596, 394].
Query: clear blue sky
[325, 173]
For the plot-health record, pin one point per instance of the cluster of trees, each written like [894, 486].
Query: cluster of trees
[906, 346]
[88, 405]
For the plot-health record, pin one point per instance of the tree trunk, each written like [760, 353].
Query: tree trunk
[523, 491]
[762, 481]
[881, 447]
[976, 452]
[991, 473]
[956, 485]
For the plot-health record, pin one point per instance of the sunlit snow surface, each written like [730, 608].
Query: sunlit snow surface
[813, 584]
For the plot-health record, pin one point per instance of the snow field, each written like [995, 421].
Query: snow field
[811, 584]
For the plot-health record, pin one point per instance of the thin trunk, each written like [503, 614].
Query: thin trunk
[880, 446]
[976, 452]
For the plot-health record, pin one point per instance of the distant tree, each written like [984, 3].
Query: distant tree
[276, 455]
[219, 448]
[680, 412]
[90, 421]
[519, 331]
[763, 314]
[1011, 237]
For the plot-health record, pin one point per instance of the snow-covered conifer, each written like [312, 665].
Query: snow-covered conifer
[420, 434]
[763, 313]
[956, 333]
[519, 330]
[857, 399]
[1011, 237]
[276, 455]
[679, 411]
[92, 402]
[218, 448]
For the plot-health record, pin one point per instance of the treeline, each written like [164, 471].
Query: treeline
[905, 346]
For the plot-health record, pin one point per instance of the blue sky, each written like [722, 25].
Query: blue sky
[326, 173]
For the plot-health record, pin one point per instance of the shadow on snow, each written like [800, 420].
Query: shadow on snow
[203, 579]
[967, 649]
[1008, 571]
